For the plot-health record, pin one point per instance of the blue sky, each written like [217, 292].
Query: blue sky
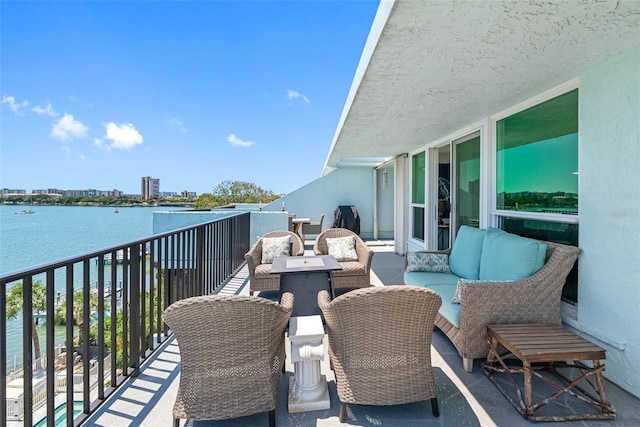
[98, 94]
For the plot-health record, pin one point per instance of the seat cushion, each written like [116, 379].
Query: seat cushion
[350, 268]
[264, 271]
[427, 280]
[464, 260]
[449, 311]
[507, 256]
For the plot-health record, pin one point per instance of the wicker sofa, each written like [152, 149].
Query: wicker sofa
[534, 298]
[354, 274]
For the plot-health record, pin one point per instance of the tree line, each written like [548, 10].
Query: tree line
[230, 192]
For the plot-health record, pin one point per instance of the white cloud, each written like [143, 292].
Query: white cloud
[13, 105]
[237, 142]
[122, 136]
[294, 94]
[178, 124]
[68, 127]
[47, 110]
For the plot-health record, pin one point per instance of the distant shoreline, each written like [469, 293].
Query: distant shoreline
[97, 204]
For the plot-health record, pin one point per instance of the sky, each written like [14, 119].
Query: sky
[97, 94]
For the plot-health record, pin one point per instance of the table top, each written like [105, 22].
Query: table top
[544, 343]
[301, 264]
[294, 220]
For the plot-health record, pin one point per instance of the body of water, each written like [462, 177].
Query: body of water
[56, 232]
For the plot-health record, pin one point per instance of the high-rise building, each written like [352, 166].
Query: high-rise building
[150, 188]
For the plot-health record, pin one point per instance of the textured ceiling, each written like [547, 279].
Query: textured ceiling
[441, 65]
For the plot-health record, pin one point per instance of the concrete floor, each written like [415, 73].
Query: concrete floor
[465, 399]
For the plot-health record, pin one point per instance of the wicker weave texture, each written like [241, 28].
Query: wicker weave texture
[350, 276]
[380, 343]
[535, 299]
[232, 352]
[269, 282]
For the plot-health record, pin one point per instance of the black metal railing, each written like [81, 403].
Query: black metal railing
[111, 303]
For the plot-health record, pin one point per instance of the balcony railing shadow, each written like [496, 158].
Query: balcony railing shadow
[465, 399]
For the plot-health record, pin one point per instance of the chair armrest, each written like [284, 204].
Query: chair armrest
[286, 301]
[254, 257]
[324, 299]
[365, 254]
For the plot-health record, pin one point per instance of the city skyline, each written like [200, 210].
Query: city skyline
[196, 93]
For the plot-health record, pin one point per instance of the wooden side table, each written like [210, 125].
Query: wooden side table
[546, 347]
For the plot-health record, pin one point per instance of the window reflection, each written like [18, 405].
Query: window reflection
[537, 158]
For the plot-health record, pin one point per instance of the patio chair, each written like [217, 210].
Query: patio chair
[232, 354]
[380, 345]
[355, 273]
[291, 224]
[312, 227]
[260, 278]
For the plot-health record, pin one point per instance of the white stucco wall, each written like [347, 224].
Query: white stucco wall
[609, 208]
[345, 186]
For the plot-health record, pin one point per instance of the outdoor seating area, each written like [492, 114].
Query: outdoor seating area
[464, 398]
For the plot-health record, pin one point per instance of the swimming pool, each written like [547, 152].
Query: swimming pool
[61, 414]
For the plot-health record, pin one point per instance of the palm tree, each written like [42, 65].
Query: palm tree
[15, 302]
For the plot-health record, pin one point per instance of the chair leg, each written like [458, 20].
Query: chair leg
[342, 416]
[272, 418]
[434, 407]
[176, 422]
[467, 364]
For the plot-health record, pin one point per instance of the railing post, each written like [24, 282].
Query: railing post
[134, 309]
[3, 356]
[200, 265]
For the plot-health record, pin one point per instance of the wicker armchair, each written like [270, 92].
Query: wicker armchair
[260, 278]
[380, 345]
[232, 353]
[354, 274]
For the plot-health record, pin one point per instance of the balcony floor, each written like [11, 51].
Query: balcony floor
[464, 399]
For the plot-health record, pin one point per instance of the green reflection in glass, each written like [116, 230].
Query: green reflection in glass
[417, 178]
[468, 182]
[537, 158]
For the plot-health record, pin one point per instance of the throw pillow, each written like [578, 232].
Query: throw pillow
[273, 247]
[464, 259]
[342, 248]
[461, 283]
[421, 261]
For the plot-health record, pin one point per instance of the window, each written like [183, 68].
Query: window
[467, 181]
[417, 195]
[537, 158]
[537, 175]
